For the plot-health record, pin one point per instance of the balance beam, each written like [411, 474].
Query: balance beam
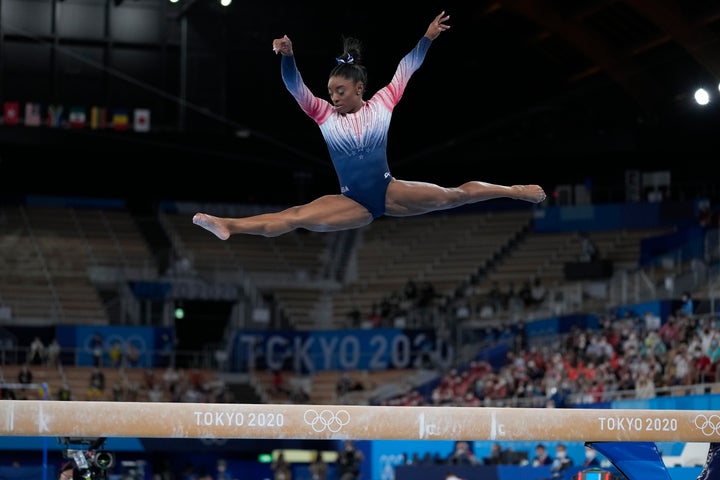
[277, 421]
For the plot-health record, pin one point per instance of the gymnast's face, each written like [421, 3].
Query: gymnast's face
[346, 95]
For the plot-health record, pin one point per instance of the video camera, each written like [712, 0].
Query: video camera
[91, 462]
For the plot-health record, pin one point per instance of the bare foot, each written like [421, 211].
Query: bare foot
[530, 193]
[212, 224]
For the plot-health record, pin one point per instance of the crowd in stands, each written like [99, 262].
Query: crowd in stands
[638, 356]
[116, 377]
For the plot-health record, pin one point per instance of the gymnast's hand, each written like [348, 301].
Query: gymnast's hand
[437, 26]
[283, 45]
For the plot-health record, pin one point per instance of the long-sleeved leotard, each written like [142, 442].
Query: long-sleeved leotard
[357, 142]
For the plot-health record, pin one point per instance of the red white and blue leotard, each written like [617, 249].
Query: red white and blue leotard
[357, 142]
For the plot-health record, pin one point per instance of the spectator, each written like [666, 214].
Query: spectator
[706, 216]
[538, 292]
[64, 393]
[590, 252]
[222, 471]
[278, 383]
[670, 331]
[344, 385]
[541, 456]
[652, 321]
[701, 364]
[68, 471]
[318, 468]
[53, 353]
[495, 457]
[645, 386]
[562, 462]
[37, 351]
[591, 460]
[462, 455]
[714, 354]
[118, 392]
[281, 468]
[348, 462]
[680, 365]
[96, 389]
[132, 355]
[25, 376]
[687, 306]
[116, 354]
[98, 350]
[300, 392]
[156, 394]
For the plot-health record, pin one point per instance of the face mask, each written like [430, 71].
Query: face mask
[561, 455]
[589, 454]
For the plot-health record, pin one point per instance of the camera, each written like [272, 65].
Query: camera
[92, 462]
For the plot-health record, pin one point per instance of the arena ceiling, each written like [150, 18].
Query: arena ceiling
[517, 91]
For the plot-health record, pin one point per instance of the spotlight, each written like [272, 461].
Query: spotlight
[702, 97]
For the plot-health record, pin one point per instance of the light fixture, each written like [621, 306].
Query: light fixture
[702, 97]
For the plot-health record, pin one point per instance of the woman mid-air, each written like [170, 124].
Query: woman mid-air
[356, 134]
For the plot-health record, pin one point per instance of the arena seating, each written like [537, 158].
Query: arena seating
[50, 254]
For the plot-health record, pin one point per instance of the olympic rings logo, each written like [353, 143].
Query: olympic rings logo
[326, 420]
[708, 425]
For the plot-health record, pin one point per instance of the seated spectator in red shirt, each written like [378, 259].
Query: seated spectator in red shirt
[702, 366]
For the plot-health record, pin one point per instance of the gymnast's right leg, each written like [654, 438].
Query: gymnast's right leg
[325, 214]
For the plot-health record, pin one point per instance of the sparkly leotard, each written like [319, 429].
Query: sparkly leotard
[357, 142]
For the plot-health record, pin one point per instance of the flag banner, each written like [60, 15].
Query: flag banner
[98, 118]
[77, 117]
[33, 114]
[54, 116]
[141, 120]
[11, 113]
[120, 120]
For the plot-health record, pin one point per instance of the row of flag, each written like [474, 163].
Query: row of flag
[56, 116]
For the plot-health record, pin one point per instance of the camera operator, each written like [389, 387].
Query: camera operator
[68, 471]
[349, 460]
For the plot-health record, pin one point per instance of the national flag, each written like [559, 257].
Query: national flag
[120, 120]
[33, 114]
[77, 117]
[98, 118]
[141, 120]
[11, 113]
[54, 115]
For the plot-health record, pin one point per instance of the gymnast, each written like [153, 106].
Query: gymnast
[356, 132]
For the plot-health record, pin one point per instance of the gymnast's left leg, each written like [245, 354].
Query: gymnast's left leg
[414, 198]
